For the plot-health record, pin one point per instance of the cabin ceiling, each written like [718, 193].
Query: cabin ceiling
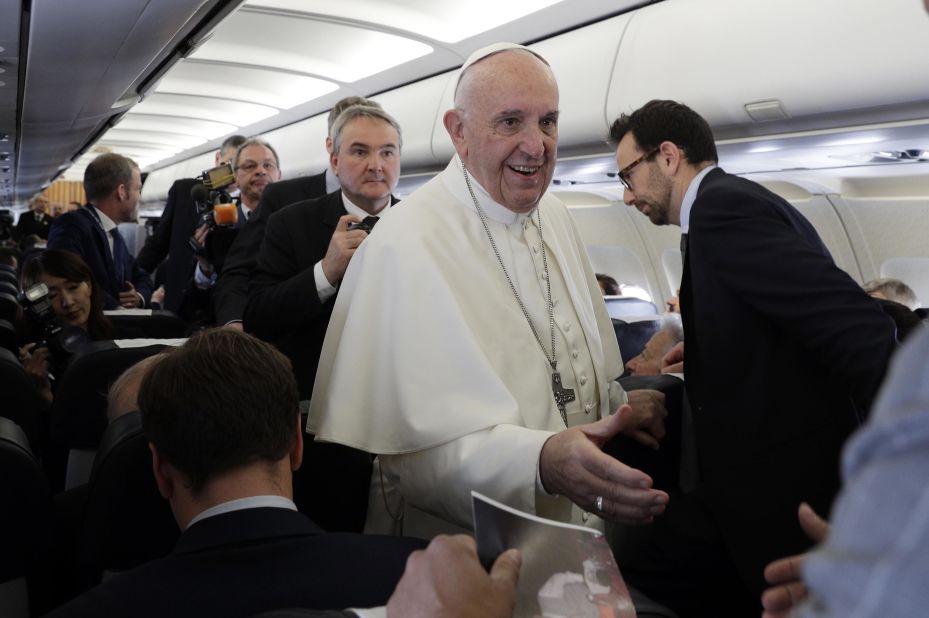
[204, 69]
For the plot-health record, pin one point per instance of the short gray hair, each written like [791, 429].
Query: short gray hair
[254, 141]
[344, 104]
[106, 173]
[361, 111]
[893, 289]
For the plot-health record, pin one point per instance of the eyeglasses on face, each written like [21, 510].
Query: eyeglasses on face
[624, 173]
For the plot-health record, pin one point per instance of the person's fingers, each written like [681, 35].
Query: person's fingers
[506, 567]
[813, 525]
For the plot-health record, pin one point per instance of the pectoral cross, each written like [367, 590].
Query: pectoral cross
[562, 395]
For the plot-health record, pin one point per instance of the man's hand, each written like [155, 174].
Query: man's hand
[572, 464]
[673, 361]
[158, 296]
[646, 422]
[203, 264]
[128, 297]
[447, 580]
[342, 247]
[787, 588]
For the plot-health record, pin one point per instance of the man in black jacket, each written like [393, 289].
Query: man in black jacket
[223, 424]
[178, 223]
[231, 293]
[784, 353]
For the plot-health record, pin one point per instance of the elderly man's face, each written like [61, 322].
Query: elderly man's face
[40, 204]
[368, 162]
[648, 362]
[509, 128]
[255, 169]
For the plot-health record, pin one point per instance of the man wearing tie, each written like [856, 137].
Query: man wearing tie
[307, 246]
[113, 186]
[305, 251]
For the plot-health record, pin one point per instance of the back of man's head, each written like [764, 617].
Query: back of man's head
[106, 173]
[344, 104]
[668, 121]
[230, 147]
[123, 397]
[222, 401]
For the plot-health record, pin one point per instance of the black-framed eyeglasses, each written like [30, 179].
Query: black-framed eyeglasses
[624, 173]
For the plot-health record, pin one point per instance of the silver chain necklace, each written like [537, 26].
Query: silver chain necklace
[562, 395]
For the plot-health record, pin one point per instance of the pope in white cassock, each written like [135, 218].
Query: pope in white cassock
[470, 347]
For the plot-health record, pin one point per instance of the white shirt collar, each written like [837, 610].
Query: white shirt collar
[495, 211]
[354, 209]
[105, 222]
[690, 197]
[252, 502]
[332, 181]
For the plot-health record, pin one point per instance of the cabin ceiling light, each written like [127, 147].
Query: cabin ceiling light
[448, 21]
[766, 111]
[306, 46]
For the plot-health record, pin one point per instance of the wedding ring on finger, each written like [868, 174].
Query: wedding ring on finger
[598, 503]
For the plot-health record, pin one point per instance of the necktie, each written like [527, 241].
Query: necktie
[683, 247]
[370, 222]
[120, 257]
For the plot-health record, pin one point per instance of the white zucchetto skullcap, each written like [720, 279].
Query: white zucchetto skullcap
[490, 50]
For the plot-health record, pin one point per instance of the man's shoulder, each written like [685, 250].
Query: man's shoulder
[308, 210]
[285, 192]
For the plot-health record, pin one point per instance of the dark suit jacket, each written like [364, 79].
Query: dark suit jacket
[246, 562]
[79, 232]
[170, 240]
[784, 355]
[231, 293]
[28, 225]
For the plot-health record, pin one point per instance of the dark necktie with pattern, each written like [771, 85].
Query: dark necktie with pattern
[370, 222]
[120, 257]
[683, 247]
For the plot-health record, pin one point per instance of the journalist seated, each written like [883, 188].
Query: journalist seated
[222, 419]
[63, 309]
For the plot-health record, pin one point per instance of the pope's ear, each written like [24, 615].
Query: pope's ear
[454, 125]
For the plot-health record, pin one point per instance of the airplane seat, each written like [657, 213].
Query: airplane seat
[150, 324]
[126, 521]
[632, 336]
[21, 402]
[923, 313]
[624, 307]
[25, 518]
[78, 414]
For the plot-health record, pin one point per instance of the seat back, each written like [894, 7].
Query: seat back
[25, 517]
[155, 324]
[78, 416]
[21, 402]
[632, 336]
[126, 521]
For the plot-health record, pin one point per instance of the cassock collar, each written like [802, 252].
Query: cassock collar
[690, 197]
[455, 182]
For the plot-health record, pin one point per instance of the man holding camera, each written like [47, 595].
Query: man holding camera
[172, 236]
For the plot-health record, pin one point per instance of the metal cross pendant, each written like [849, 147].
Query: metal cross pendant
[562, 395]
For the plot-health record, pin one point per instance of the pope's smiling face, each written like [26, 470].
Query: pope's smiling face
[507, 129]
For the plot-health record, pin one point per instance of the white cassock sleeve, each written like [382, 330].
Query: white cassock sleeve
[501, 461]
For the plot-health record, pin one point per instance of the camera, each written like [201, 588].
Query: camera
[62, 341]
[217, 210]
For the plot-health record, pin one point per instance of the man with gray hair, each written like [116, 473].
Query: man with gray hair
[894, 290]
[231, 293]
[306, 249]
[470, 347]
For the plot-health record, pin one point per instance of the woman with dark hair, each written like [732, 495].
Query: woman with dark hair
[75, 302]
